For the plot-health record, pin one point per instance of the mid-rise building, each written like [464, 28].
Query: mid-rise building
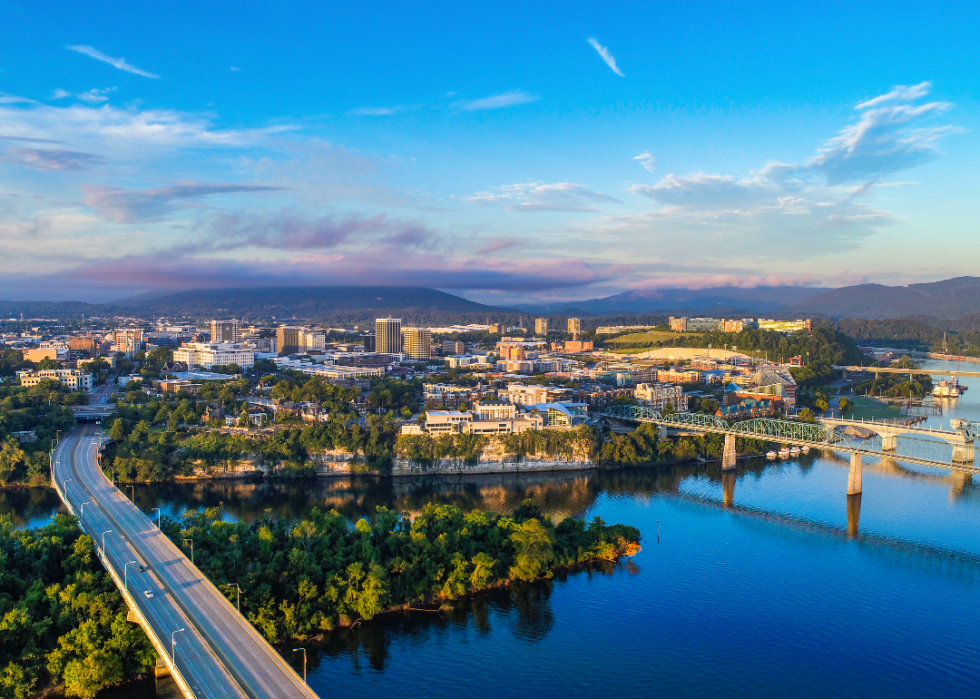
[417, 343]
[288, 339]
[575, 326]
[541, 326]
[660, 395]
[72, 378]
[786, 326]
[129, 341]
[211, 354]
[225, 331]
[695, 325]
[58, 354]
[494, 328]
[678, 376]
[388, 335]
[83, 343]
[521, 394]
[312, 340]
[453, 347]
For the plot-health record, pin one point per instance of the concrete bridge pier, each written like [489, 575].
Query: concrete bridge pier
[963, 453]
[662, 432]
[165, 685]
[728, 456]
[854, 477]
[728, 488]
[889, 442]
[853, 514]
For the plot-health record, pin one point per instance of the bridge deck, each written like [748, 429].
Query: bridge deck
[220, 654]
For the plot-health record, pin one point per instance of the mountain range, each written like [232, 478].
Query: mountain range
[949, 303]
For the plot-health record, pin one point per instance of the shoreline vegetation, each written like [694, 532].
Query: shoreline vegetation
[64, 625]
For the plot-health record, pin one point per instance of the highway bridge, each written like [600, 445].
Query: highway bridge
[211, 650]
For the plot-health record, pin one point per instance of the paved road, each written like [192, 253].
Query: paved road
[220, 654]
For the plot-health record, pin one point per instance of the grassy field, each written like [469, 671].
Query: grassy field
[862, 410]
[649, 337]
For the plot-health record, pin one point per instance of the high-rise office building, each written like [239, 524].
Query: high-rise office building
[388, 335]
[225, 331]
[541, 326]
[575, 326]
[288, 339]
[128, 340]
[418, 342]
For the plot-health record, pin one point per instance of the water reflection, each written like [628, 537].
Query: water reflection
[30, 507]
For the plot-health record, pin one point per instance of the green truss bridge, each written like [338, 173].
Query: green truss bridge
[956, 451]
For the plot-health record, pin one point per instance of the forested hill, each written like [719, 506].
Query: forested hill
[949, 298]
[323, 303]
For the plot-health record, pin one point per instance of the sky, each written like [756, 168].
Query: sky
[505, 152]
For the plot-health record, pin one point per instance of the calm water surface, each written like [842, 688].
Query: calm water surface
[768, 584]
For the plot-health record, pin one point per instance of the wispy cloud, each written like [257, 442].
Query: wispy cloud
[538, 196]
[119, 63]
[375, 111]
[48, 160]
[506, 99]
[648, 162]
[130, 206]
[607, 57]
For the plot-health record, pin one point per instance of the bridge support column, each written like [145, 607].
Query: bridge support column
[854, 477]
[662, 432]
[166, 686]
[728, 456]
[853, 514]
[728, 488]
[960, 482]
[963, 453]
[889, 442]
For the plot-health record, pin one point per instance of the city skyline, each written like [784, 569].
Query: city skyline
[560, 156]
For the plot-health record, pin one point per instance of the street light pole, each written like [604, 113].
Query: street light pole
[107, 531]
[192, 549]
[304, 661]
[126, 574]
[158, 515]
[132, 494]
[82, 515]
[173, 646]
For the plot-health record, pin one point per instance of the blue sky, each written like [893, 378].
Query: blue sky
[505, 152]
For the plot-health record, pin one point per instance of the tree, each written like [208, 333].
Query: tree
[118, 430]
[844, 404]
[11, 460]
[534, 545]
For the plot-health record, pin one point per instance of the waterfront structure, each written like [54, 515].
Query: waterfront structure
[209, 354]
[574, 326]
[288, 339]
[541, 326]
[72, 378]
[660, 395]
[388, 335]
[226, 331]
[440, 422]
[418, 343]
[129, 341]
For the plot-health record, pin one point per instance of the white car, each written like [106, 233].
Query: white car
[147, 594]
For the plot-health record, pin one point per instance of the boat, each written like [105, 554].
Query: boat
[771, 455]
[947, 389]
[805, 450]
[784, 452]
[794, 451]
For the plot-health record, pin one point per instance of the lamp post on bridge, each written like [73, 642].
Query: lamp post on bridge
[192, 549]
[158, 515]
[295, 650]
[173, 646]
[82, 508]
[238, 601]
[107, 531]
[126, 574]
[132, 494]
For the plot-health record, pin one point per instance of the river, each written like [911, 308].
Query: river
[782, 588]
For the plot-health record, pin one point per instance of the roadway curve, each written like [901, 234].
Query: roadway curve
[220, 654]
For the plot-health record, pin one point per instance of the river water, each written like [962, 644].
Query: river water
[769, 584]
